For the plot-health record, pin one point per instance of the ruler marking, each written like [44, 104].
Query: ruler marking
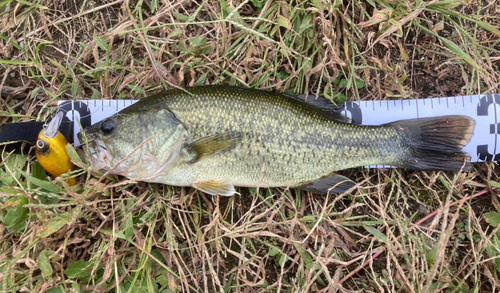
[496, 122]
[73, 119]
[416, 103]
[73, 111]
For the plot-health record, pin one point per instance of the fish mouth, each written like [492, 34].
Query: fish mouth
[100, 156]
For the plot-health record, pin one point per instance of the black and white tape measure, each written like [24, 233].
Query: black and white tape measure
[484, 109]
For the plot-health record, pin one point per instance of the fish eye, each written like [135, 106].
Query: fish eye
[42, 147]
[108, 126]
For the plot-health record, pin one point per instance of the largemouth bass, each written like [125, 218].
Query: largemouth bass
[214, 138]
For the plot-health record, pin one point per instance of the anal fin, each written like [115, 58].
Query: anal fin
[333, 183]
[216, 187]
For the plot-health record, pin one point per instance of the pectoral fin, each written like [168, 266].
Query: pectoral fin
[211, 145]
[338, 182]
[215, 187]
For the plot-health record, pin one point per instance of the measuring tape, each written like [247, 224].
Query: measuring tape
[482, 108]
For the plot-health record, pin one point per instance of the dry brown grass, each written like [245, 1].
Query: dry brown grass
[112, 235]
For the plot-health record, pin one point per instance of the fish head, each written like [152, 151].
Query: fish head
[139, 145]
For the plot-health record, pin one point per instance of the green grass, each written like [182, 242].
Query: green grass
[108, 234]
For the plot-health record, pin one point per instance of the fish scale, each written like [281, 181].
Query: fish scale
[272, 139]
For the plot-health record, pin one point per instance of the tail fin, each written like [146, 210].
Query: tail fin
[436, 143]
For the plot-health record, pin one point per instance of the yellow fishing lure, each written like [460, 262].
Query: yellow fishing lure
[51, 150]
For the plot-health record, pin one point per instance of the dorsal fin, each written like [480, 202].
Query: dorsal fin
[321, 105]
[317, 104]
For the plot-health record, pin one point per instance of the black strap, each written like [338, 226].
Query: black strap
[24, 131]
[28, 132]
